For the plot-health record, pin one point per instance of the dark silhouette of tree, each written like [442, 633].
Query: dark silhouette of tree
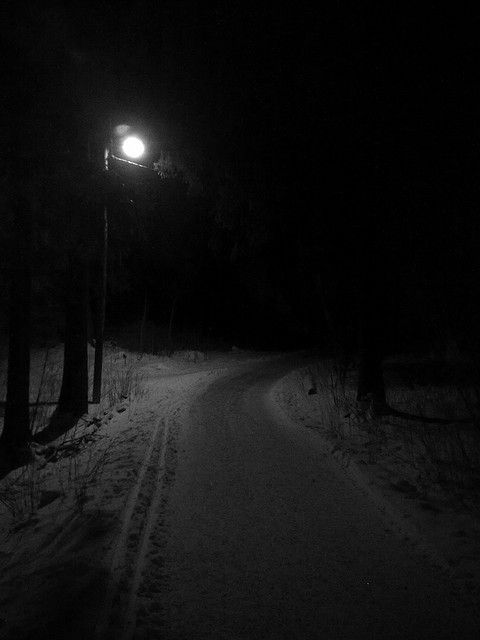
[74, 391]
[16, 428]
[82, 211]
[371, 352]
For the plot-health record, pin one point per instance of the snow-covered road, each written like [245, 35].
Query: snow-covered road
[257, 534]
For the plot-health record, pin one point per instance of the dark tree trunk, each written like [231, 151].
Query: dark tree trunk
[16, 429]
[372, 337]
[370, 375]
[74, 391]
[170, 323]
[99, 315]
[143, 324]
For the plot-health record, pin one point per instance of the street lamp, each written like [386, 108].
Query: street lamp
[132, 147]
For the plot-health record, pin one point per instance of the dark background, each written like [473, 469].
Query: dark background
[318, 161]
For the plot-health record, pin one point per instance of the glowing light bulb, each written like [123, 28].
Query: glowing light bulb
[133, 147]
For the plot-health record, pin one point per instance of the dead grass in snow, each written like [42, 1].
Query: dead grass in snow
[437, 447]
[76, 460]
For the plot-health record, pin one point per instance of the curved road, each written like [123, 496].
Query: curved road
[261, 537]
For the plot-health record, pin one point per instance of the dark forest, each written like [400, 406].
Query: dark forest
[307, 187]
[311, 159]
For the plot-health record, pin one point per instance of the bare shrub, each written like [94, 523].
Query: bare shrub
[122, 378]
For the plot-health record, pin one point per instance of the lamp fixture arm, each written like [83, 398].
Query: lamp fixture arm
[137, 164]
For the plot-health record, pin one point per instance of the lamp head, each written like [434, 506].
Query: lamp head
[133, 147]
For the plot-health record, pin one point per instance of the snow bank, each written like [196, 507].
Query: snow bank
[387, 458]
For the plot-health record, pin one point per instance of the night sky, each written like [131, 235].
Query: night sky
[332, 151]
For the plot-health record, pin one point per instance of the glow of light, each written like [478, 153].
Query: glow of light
[133, 147]
[121, 130]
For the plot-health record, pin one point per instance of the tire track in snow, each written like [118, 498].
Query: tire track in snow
[142, 510]
[119, 563]
[141, 555]
[127, 592]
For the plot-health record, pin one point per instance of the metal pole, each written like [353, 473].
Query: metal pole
[99, 338]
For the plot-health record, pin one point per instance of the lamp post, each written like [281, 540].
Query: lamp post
[132, 147]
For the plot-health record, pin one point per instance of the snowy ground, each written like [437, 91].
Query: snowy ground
[64, 521]
[410, 470]
[218, 502]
